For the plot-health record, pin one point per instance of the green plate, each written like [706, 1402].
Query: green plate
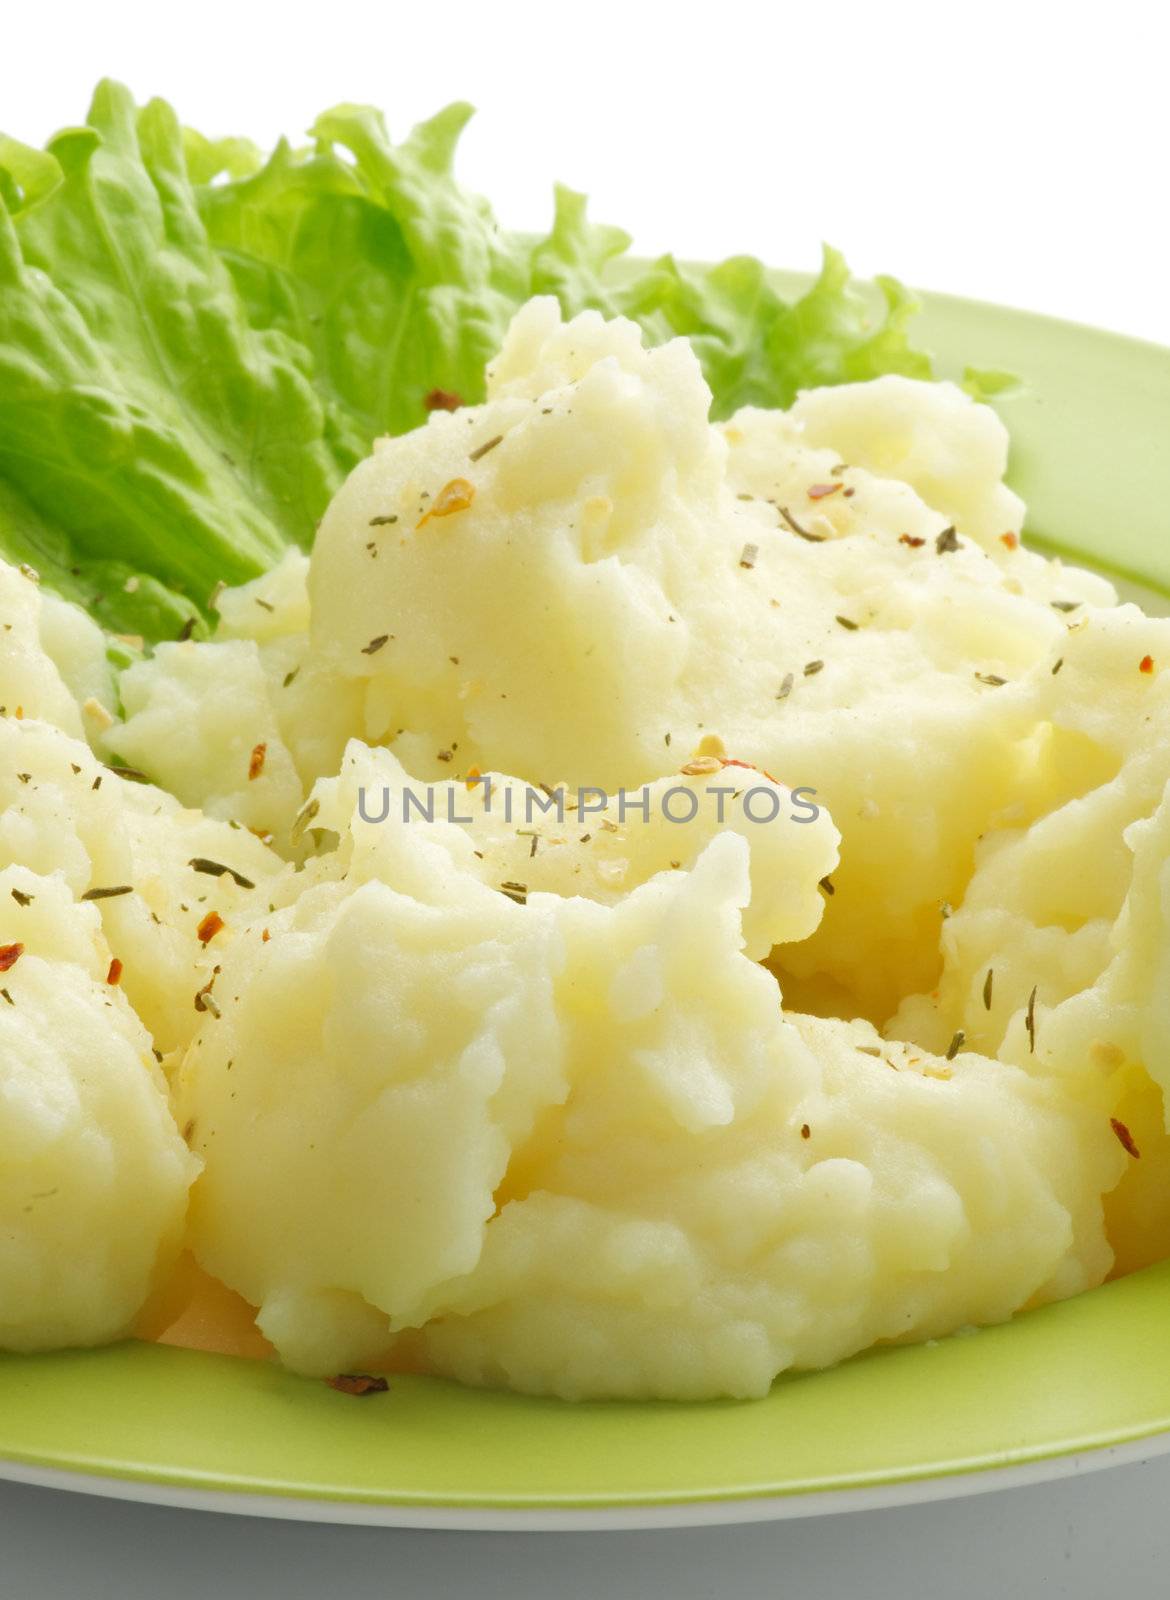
[1074, 1384]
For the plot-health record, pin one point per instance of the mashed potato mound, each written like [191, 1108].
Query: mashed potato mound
[93, 1173]
[582, 576]
[105, 885]
[600, 1159]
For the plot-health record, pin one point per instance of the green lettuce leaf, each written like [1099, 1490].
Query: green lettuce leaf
[197, 343]
[147, 430]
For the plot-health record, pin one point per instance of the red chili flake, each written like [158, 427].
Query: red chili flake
[1146, 664]
[209, 927]
[265, 936]
[909, 538]
[10, 954]
[442, 400]
[819, 491]
[805, 1131]
[729, 761]
[114, 975]
[358, 1383]
[1125, 1138]
[256, 761]
[452, 497]
[1010, 541]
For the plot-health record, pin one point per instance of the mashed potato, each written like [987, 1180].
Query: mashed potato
[106, 888]
[52, 658]
[721, 923]
[241, 725]
[93, 1173]
[604, 1161]
[618, 578]
[62, 812]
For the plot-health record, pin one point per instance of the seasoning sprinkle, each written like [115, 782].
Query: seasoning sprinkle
[827, 885]
[452, 497]
[786, 686]
[206, 1001]
[515, 891]
[303, 818]
[1058, 666]
[820, 491]
[956, 1044]
[375, 645]
[442, 400]
[912, 540]
[384, 522]
[870, 1050]
[848, 622]
[1030, 1023]
[21, 898]
[478, 455]
[216, 869]
[1067, 605]
[130, 774]
[186, 630]
[802, 533]
[811, 668]
[1125, 1138]
[7, 997]
[987, 985]
[1146, 665]
[1010, 541]
[114, 975]
[749, 555]
[209, 927]
[947, 541]
[995, 681]
[360, 1383]
[256, 761]
[107, 894]
[289, 677]
[10, 954]
[805, 1131]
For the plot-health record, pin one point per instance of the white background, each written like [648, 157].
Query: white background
[1010, 152]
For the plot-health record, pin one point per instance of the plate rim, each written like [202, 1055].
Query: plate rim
[677, 1512]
